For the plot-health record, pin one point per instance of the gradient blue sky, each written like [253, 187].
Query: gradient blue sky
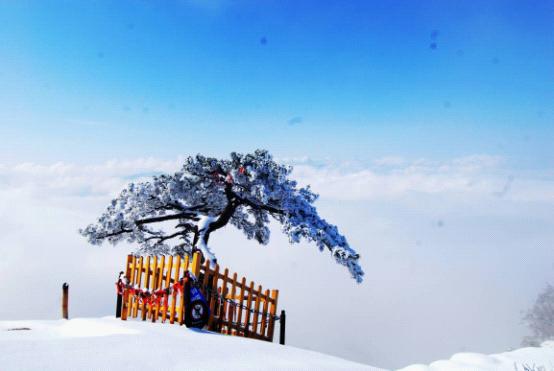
[455, 227]
[90, 81]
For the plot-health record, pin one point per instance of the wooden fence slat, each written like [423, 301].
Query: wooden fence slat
[232, 310]
[126, 299]
[248, 312]
[255, 312]
[223, 306]
[159, 286]
[124, 309]
[152, 284]
[182, 308]
[213, 299]
[264, 315]
[174, 295]
[137, 281]
[131, 277]
[129, 273]
[272, 313]
[159, 282]
[205, 280]
[181, 301]
[144, 307]
[186, 264]
[138, 267]
[240, 310]
[167, 283]
[196, 263]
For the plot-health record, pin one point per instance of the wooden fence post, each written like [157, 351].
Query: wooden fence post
[185, 302]
[119, 301]
[282, 325]
[65, 300]
[125, 306]
[272, 314]
[118, 305]
[173, 306]
[146, 287]
[130, 278]
[196, 262]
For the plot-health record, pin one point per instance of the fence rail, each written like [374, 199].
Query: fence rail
[236, 307]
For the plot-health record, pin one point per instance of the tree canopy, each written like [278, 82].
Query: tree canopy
[176, 214]
[540, 318]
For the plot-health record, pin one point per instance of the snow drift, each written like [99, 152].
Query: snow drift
[111, 344]
[524, 359]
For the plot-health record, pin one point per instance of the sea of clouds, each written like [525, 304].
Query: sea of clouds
[452, 250]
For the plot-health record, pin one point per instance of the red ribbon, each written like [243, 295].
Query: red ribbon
[158, 299]
[119, 287]
[155, 297]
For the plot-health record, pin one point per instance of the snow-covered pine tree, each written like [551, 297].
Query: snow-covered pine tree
[207, 194]
[540, 318]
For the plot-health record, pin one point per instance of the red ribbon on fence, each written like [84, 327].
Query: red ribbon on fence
[154, 298]
[166, 303]
[119, 287]
[177, 287]
[157, 300]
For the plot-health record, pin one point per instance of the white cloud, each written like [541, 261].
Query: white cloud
[66, 179]
[390, 177]
[393, 178]
[389, 161]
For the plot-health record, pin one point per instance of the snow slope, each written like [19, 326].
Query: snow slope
[111, 344]
[524, 359]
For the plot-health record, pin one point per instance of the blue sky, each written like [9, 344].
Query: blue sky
[87, 82]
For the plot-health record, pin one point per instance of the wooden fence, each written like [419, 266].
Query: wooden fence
[236, 308]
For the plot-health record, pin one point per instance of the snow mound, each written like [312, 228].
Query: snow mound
[524, 359]
[111, 344]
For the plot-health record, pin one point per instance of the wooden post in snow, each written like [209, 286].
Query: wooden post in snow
[119, 302]
[65, 300]
[282, 325]
[118, 305]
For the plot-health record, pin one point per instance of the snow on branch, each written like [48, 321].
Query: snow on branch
[177, 213]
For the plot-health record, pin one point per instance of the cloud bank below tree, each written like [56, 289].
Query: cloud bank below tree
[442, 242]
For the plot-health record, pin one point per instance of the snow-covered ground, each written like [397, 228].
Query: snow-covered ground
[524, 359]
[111, 344]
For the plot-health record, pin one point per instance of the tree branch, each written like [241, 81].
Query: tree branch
[256, 206]
[156, 219]
[113, 234]
[223, 219]
[225, 215]
[168, 237]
